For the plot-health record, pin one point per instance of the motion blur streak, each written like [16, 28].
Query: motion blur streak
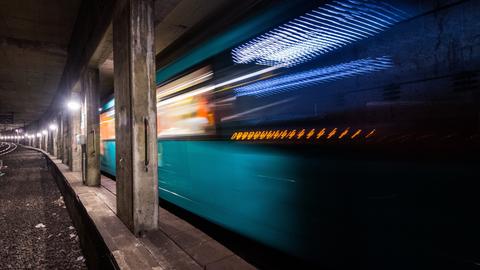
[318, 32]
[197, 77]
[315, 76]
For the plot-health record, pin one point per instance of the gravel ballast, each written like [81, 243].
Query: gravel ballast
[36, 231]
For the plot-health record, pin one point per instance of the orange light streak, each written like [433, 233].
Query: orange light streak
[332, 133]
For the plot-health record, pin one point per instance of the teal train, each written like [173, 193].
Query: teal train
[279, 127]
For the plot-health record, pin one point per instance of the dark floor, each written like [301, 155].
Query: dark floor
[36, 231]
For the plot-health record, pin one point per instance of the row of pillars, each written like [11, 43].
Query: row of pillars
[135, 120]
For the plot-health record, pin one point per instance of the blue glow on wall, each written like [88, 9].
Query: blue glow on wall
[315, 76]
[318, 32]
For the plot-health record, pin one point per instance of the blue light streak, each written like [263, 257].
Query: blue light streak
[315, 76]
[318, 32]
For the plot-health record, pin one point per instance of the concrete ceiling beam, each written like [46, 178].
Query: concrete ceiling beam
[34, 45]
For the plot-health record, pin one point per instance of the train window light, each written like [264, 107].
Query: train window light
[320, 31]
[315, 76]
[302, 134]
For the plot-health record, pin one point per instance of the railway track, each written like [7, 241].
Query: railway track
[6, 147]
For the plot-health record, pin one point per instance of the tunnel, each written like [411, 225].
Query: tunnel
[255, 134]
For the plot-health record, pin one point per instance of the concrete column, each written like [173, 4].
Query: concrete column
[38, 139]
[66, 138]
[45, 141]
[90, 83]
[135, 115]
[55, 140]
[75, 159]
[50, 141]
[60, 137]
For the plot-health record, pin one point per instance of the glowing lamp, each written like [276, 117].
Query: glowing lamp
[73, 105]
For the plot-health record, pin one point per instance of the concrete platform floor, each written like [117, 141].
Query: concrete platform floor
[36, 231]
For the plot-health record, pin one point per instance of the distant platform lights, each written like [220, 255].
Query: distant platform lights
[53, 127]
[315, 76]
[318, 32]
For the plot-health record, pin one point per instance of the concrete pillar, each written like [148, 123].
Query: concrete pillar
[59, 140]
[45, 141]
[35, 140]
[75, 159]
[66, 138]
[90, 84]
[55, 140]
[135, 115]
[50, 141]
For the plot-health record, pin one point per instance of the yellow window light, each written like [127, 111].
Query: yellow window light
[321, 133]
[310, 133]
[300, 134]
[345, 132]
[370, 134]
[356, 134]
[292, 133]
[332, 133]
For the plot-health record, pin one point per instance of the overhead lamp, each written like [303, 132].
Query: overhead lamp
[53, 127]
[73, 105]
[39, 135]
[45, 132]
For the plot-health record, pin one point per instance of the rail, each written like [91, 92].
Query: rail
[10, 147]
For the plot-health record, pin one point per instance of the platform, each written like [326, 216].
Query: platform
[176, 245]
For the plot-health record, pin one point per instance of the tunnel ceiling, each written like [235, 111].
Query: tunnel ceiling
[172, 19]
[34, 36]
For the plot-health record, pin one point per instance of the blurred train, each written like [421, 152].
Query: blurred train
[306, 123]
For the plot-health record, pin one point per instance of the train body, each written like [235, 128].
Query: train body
[285, 126]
